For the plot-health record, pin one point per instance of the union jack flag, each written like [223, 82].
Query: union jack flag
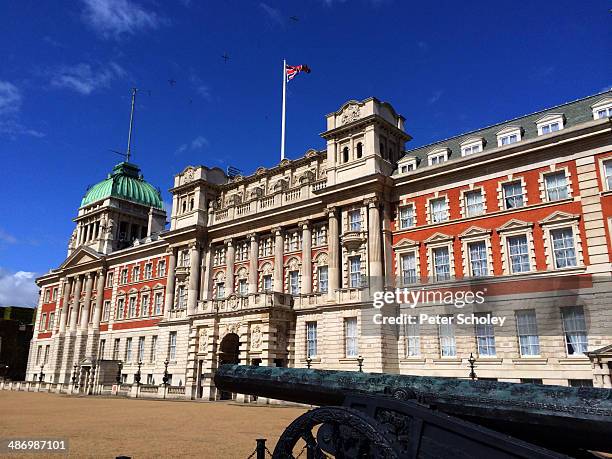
[292, 70]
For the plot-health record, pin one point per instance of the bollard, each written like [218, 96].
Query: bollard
[261, 448]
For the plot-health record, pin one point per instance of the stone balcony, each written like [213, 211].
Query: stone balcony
[265, 203]
[341, 296]
[234, 303]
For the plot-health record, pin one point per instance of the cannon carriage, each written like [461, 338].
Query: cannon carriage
[372, 415]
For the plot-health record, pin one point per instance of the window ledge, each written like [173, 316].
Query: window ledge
[312, 360]
[448, 360]
[574, 360]
[530, 360]
[605, 193]
[412, 360]
[347, 359]
[483, 360]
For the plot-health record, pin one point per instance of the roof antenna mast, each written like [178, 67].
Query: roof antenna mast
[129, 144]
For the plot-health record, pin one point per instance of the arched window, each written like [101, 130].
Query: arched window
[359, 150]
[345, 155]
[191, 204]
[184, 206]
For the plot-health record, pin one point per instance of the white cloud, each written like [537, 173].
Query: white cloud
[204, 91]
[10, 108]
[6, 237]
[116, 18]
[196, 144]
[10, 98]
[84, 79]
[18, 288]
[272, 13]
[435, 96]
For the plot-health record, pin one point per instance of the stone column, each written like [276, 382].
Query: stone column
[306, 258]
[208, 273]
[279, 250]
[333, 243]
[75, 304]
[65, 307]
[99, 299]
[387, 241]
[89, 278]
[194, 277]
[230, 259]
[375, 270]
[253, 263]
[170, 282]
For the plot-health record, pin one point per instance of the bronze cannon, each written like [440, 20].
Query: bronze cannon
[396, 416]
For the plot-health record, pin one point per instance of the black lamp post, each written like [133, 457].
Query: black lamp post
[360, 363]
[471, 361]
[165, 378]
[119, 368]
[74, 377]
[137, 378]
[308, 361]
[40, 376]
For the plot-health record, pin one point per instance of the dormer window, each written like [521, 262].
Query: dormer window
[437, 157]
[602, 109]
[550, 123]
[407, 164]
[471, 146]
[508, 136]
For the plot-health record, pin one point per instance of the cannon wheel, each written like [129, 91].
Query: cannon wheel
[342, 432]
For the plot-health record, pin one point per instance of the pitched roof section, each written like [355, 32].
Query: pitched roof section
[575, 112]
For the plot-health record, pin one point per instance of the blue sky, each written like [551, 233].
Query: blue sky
[67, 69]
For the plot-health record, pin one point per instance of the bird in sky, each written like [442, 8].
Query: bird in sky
[225, 57]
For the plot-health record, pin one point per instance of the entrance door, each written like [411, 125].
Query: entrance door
[229, 352]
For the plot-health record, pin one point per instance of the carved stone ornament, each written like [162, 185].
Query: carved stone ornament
[256, 338]
[350, 114]
[202, 340]
[188, 176]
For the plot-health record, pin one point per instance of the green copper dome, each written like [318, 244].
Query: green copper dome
[125, 182]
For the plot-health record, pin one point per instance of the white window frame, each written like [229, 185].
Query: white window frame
[161, 268]
[547, 189]
[527, 332]
[513, 228]
[172, 346]
[409, 219]
[406, 278]
[412, 340]
[486, 260]
[311, 339]
[128, 349]
[437, 241]
[354, 224]
[466, 194]
[323, 283]
[145, 304]
[505, 197]
[354, 278]
[141, 348]
[148, 271]
[556, 221]
[508, 133]
[447, 339]
[606, 180]
[485, 338]
[573, 319]
[430, 210]
[604, 104]
[351, 337]
[547, 122]
[472, 146]
[437, 156]
[159, 304]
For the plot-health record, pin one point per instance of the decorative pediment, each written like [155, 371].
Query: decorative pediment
[559, 217]
[81, 256]
[438, 237]
[602, 102]
[475, 231]
[514, 224]
[472, 140]
[550, 117]
[509, 130]
[406, 243]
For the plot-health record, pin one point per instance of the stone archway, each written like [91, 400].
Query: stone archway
[229, 352]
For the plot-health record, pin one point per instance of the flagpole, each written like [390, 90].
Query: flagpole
[284, 104]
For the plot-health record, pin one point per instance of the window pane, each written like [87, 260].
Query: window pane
[441, 263]
[438, 210]
[447, 339]
[527, 329]
[563, 247]
[408, 268]
[355, 271]
[406, 217]
[513, 195]
[322, 271]
[350, 331]
[311, 339]
[519, 254]
[485, 338]
[556, 186]
[413, 340]
[574, 327]
[473, 203]
[478, 258]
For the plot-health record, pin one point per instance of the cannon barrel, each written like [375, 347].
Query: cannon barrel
[553, 416]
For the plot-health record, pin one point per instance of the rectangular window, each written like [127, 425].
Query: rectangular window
[101, 349]
[243, 287]
[220, 290]
[608, 173]
[354, 220]
[47, 350]
[136, 274]
[580, 382]
[132, 307]
[519, 254]
[148, 272]
[437, 159]
[38, 353]
[43, 322]
[322, 276]
[109, 279]
[439, 210]
[351, 346]
[141, 348]
[184, 258]
[267, 283]
[172, 347]
[556, 186]
[355, 272]
[144, 306]
[153, 356]
[574, 329]
[320, 236]
[527, 330]
[120, 308]
[293, 242]
[563, 247]
[54, 295]
[478, 258]
[124, 276]
[116, 349]
[161, 268]
[219, 257]
[409, 273]
[150, 380]
[413, 340]
[448, 346]
[106, 311]
[550, 127]
[441, 261]
[604, 113]
[470, 149]
[508, 139]
[182, 297]
[128, 350]
[51, 321]
[406, 217]
[242, 251]
[266, 247]
[311, 339]
[294, 282]
[485, 338]
[473, 203]
[47, 295]
[159, 302]
[513, 194]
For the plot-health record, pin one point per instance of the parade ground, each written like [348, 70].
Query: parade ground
[111, 427]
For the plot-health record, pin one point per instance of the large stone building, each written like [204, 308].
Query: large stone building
[281, 267]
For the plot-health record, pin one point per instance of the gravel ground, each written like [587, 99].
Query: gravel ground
[109, 427]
